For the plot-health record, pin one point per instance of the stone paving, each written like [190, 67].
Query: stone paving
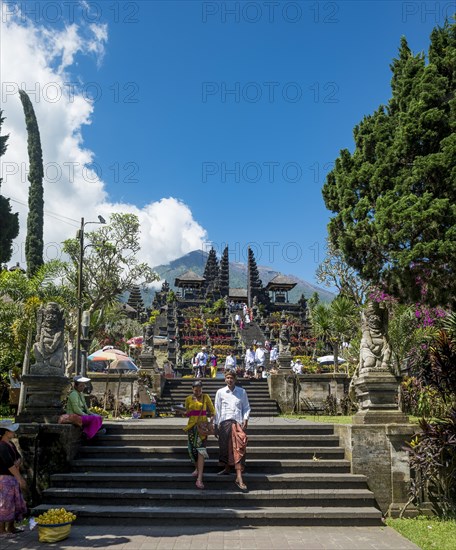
[174, 537]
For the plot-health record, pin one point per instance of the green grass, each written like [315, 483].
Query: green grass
[427, 533]
[332, 419]
[320, 418]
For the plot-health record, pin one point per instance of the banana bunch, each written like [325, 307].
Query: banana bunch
[55, 516]
[99, 411]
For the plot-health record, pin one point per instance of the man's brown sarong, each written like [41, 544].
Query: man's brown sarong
[232, 444]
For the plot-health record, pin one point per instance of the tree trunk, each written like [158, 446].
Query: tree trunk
[25, 370]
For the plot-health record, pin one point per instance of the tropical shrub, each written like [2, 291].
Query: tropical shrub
[418, 399]
[433, 451]
[433, 460]
[330, 405]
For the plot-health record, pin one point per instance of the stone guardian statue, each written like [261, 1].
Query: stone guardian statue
[49, 345]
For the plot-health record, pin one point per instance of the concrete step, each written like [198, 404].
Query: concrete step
[176, 480]
[213, 384]
[255, 402]
[258, 453]
[231, 497]
[174, 426]
[253, 394]
[254, 440]
[140, 473]
[261, 411]
[182, 465]
[224, 516]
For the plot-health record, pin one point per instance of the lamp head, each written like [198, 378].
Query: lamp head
[101, 219]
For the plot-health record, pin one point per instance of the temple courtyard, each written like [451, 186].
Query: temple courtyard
[181, 537]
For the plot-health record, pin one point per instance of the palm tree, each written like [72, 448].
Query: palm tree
[320, 319]
[344, 323]
[335, 323]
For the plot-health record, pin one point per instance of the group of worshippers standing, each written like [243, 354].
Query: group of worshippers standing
[204, 363]
[242, 318]
[230, 417]
[261, 360]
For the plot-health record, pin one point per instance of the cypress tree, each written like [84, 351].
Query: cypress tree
[35, 221]
[9, 222]
[394, 197]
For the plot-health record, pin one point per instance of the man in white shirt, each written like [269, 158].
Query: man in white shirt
[249, 361]
[260, 360]
[274, 355]
[201, 361]
[232, 411]
[297, 367]
[230, 362]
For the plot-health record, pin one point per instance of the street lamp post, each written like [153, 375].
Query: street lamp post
[80, 236]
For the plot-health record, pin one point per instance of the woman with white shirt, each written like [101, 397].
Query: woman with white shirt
[232, 411]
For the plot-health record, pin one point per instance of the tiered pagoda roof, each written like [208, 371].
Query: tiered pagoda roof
[281, 282]
[189, 278]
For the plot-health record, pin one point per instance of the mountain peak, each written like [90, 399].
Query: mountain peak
[196, 261]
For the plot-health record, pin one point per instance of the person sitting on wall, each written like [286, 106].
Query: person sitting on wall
[76, 404]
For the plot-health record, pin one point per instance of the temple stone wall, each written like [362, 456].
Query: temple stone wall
[48, 447]
[313, 390]
[376, 451]
[128, 386]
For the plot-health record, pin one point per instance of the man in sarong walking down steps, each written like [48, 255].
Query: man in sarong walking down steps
[232, 411]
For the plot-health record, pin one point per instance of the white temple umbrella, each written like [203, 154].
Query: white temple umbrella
[329, 360]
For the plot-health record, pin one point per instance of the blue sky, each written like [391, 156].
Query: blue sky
[248, 164]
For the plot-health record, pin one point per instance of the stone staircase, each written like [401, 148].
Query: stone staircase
[177, 389]
[252, 332]
[139, 473]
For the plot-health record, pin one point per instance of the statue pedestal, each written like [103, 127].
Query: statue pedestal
[284, 361]
[44, 397]
[377, 393]
[148, 361]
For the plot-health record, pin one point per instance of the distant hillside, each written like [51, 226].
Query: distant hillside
[196, 262]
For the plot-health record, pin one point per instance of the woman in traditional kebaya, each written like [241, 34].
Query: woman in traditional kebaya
[12, 504]
[76, 404]
[199, 408]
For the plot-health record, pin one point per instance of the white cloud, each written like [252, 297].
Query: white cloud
[40, 60]
[168, 229]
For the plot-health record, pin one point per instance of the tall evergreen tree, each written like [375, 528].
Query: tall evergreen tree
[211, 272]
[35, 221]
[394, 197]
[224, 277]
[9, 222]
